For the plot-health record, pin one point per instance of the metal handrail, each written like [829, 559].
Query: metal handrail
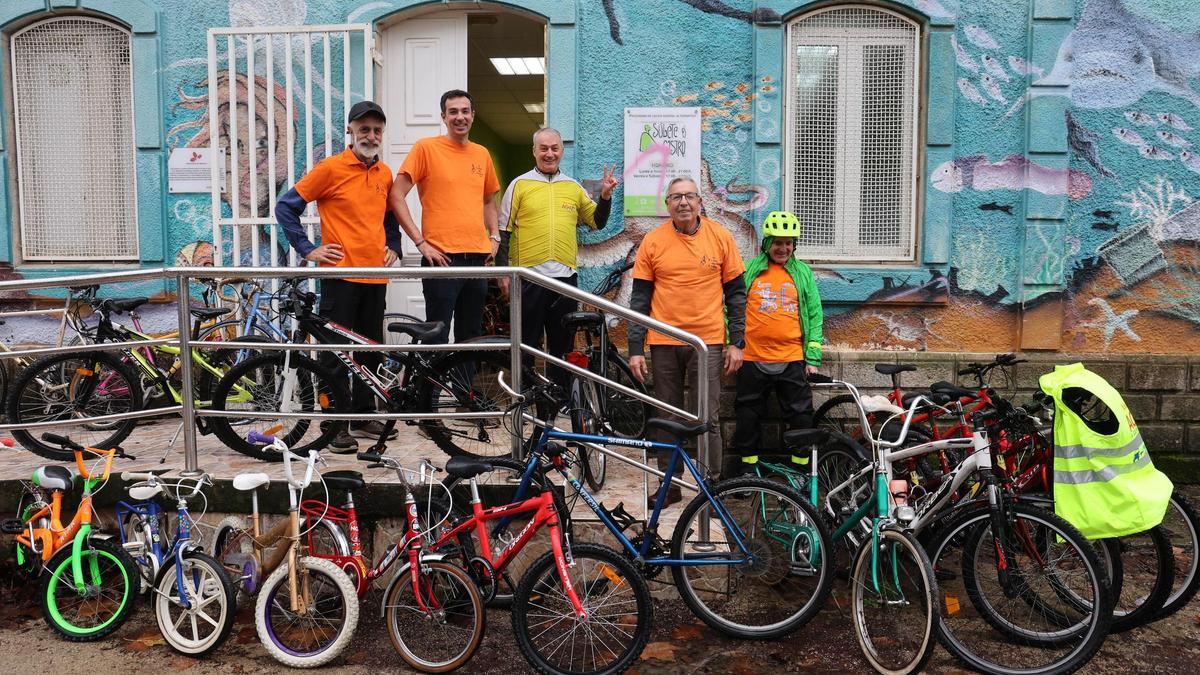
[188, 409]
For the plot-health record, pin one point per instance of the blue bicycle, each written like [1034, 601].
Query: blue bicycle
[749, 556]
[194, 600]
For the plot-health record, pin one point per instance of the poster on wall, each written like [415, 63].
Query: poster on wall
[660, 144]
[190, 170]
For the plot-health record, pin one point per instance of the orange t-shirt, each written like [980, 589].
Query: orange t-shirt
[452, 180]
[352, 202]
[688, 274]
[773, 318]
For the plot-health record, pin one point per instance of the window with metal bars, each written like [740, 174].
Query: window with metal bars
[76, 169]
[851, 133]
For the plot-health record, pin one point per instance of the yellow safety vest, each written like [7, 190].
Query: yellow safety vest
[1104, 484]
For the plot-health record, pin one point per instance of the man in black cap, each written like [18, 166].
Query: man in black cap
[357, 230]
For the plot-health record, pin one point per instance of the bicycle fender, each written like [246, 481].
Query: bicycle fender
[850, 443]
[401, 574]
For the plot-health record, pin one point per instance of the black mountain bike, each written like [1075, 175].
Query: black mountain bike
[406, 382]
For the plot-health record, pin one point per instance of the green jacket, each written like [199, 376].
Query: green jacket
[812, 319]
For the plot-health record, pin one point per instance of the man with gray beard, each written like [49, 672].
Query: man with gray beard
[357, 230]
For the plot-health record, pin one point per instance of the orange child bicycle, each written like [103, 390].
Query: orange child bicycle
[89, 583]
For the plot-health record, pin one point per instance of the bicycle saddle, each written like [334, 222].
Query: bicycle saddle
[803, 438]
[893, 368]
[209, 312]
[53, 477]
[417, 331]
[951, 390]
[467, 467]
[250, 481]
[677, 429]
[344, 480]
[577, 320]
[126, 304]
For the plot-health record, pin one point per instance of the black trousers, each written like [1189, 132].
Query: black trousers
[750, 405]
[459, 299]
[542, 312]
[360, 308]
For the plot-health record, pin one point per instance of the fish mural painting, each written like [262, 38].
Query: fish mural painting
[1014, 172]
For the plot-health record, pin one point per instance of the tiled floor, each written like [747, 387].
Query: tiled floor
[151, 442]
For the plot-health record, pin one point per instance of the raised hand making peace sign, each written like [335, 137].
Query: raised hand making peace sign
[608, 182]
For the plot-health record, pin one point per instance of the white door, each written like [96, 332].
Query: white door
[422, 58]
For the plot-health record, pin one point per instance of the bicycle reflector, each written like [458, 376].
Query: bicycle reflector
[578, 359]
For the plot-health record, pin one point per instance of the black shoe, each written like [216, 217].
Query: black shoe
[371, 429]
[673, 495]
[343, 444]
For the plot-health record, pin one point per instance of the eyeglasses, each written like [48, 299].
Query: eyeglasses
[678, 196]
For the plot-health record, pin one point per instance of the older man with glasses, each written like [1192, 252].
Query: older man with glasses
[688, 274]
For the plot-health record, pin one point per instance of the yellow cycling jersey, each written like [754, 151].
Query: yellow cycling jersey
[541, 213]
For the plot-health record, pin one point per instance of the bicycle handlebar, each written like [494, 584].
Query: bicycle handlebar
[310, 461]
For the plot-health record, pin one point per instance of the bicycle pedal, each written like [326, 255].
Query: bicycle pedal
[12, 526]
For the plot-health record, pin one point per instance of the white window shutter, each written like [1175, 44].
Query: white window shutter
[72, 86]
[851, 137]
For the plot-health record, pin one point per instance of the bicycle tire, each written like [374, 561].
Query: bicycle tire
[914, 653]
[1147, 575]
[595, 584]
[1082, 639]
[233, 547]
[139, 537]
[1182, 525]
[324, 576]
[59, 387]
[222, 359]
[620, 414]
[313, 389]
[505, 472]
[207, 583]
[790, 546]
[464, 591]
[444, 388]
[839, 413]
[118, 573]
[584, 417]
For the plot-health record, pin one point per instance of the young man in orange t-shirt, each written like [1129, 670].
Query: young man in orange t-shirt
[784, 332]
[688, 274]
[350, 190]
[460, 227]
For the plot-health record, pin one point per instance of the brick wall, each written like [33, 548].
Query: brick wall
[1162, 391]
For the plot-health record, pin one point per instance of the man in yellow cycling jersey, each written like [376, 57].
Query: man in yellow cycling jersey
[538, 218]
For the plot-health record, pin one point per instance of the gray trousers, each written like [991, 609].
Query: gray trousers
[673, 367]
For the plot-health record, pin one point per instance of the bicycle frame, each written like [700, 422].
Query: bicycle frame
[181, 543]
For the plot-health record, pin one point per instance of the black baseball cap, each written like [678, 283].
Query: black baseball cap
[364, 108]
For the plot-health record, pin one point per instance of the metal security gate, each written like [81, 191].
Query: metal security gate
[277, 103]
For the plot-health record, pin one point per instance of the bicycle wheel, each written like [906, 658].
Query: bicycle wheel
[1049, 612]
[323, 622]
[777, 583]
[1182, 526]
[839, 413]
[1147, 574]
[68, 387]
[205, 623]
[263, 384]
[223, 359]
[617, 602]
[447, 635]
[110, 593]
[139, 544]
[497, 488]
[233, 547]
[466, 382]
[584, 420]
[893, 596]
[621, 414]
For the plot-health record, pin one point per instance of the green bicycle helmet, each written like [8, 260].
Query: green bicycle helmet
[781, 224]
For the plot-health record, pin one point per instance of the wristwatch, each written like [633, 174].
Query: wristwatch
[494, 237]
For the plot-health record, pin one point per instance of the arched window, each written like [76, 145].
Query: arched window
[76, 168]
[852, 133]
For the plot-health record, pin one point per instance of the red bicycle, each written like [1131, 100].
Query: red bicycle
[578, 608]
[432, 608]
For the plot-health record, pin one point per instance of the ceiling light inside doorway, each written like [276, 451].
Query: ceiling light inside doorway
[538, 108]
[518, 65]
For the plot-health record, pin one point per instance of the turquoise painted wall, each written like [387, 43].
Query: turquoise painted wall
[1057, 153]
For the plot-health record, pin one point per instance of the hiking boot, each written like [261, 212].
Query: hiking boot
[343, 444]
[673, 495]
[371, 429]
